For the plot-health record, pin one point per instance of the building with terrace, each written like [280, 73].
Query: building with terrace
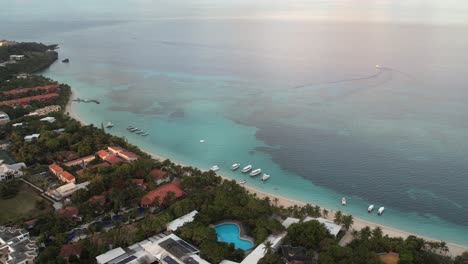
[16, 247]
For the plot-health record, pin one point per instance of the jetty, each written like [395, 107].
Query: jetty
[79, 100]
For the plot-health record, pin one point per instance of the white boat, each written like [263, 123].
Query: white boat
[109, 125]
[202, 141]
[343, 201]
[256, 172]
[214, 168]
[246, 168]
[242, 182]
[265, 177]
[371, 207]
[144, 134]
[377, 66]
[235, 166]
[380, 211]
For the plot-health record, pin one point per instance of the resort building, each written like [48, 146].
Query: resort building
[111, 158]
[16, 247]
[67, 177]
[289, 221]
[16, 57]
[45, 110]
[260, 251]
[55, 169]
[17, 125]
[27, 100]
[44, 89]
[188, 218]
[123, 153]
[4, 118]
[161, 192]
[333, 228]
[6, 43]
[69, 250]
[66, 190]
[23, 76]
[160, 176]
[81, 161]
[8, 172]
[161, 248]
[100, 165]
[30, 138]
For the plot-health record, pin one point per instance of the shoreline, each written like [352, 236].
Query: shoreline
[454, 249]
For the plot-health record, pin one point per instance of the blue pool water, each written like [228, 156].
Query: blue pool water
[230, 233]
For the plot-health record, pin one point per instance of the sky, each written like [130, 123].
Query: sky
[398, 11]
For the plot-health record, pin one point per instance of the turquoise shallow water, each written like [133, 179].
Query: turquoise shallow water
[290, 98]
[230, 233]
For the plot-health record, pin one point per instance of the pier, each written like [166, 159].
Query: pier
[79, 100]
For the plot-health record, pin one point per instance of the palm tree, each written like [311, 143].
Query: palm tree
[325, 212]
[338, 217]
[276, 200]
[268, 247]
[347, 221]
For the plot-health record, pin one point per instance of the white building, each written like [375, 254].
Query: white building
[8, 172]
[16, 57]
[16, 247]
[289, 221]
[174, 225]
[66, 190]
[4, 118]
[49, 119]
[161, 248]
[333, 228]
[29, 138]
[17, 125]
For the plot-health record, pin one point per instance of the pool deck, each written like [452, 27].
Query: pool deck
[242, 234]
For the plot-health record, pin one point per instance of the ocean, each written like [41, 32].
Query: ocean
[374, 111]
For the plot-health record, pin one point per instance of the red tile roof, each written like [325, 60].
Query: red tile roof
[102, 153]
[99, 199]
[67, 176]
[80, 161]
[47, 88]
[128, 155]
[100, 165]
[113, 159]
[69, 211]
[161, 192]
[70, 155]
[55, 168]
[26, 100]
[69, 250]
[158, 174]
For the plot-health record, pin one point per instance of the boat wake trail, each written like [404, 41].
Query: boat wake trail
[380, 70]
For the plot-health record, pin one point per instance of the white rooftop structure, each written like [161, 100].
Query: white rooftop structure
[17, 124]
[110, 255]
[333, 228]
[260, 251]
[49, 119]
[289, 221]
[172, 226]
[29, 138]
[67, 190]
[13, 170]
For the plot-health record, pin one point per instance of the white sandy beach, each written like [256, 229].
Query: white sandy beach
[454, 249]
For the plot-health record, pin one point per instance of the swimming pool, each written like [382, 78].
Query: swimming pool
[230, 233]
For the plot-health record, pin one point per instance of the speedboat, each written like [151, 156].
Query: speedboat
[371, 207]
[214, 168]
[343, 201]
[242, 182]
[134, 129]
[140, 132]
[256, 172]
[202, 141]
[246, 168]
[130, 127]
[109, 125]
[235, 166]
[144, 134]
[380, 211]
[265, 177]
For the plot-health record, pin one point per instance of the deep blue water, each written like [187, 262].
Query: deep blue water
[229, 233]
[301, 99]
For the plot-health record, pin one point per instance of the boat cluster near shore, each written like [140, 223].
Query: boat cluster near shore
[137, 131]
[369, 209]
[244, 170]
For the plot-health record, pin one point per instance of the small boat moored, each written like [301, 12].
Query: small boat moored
[256, 172]
[242, 182]
[343, 201]
[265, 177]
[214, 168]
[380, 211]
[109, 125]
[202, 141]
[246, 168]
[370, 208]
[235, 166]
[144, 134]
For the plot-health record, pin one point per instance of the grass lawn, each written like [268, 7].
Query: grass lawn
[22, 207]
